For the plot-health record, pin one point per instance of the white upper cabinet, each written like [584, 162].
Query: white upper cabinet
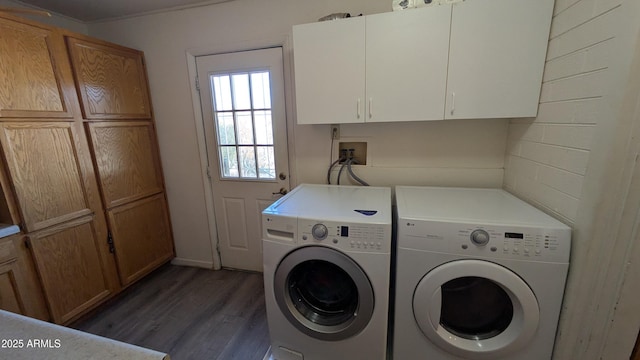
[474, 59]
[406, 64]
[329, 71]
[496, 58]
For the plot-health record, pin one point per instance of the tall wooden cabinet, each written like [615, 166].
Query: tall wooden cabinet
[116, 106]
[80, 171]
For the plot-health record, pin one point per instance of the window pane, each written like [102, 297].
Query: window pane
[245, 128]
[241, 97]
[247, 162]
[226, 132]
[222, 93]
[261, 90]
[264, 131]
[266, 164]
[229, 161]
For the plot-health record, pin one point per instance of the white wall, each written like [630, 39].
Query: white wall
[55, 19]
[547, 156]
[404, 153]
[566, 161]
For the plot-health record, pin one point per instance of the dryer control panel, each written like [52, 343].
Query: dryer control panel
[345, 236]
[490, 241]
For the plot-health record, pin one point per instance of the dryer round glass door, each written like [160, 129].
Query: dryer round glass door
[323, 293]
[476, 309]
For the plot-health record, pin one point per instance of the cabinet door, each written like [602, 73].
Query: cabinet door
[10, 297]
[141, 236]
[407, 55]
[496, 58]
[126, 159]
[330, 71]
[43, 164]
[28, 282]
[32, 83]
[68, 261]
[111, 80]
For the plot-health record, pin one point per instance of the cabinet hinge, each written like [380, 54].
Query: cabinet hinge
[197, 83]
[112, 248]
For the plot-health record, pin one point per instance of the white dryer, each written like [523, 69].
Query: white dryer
[480, 275]
[327, 259]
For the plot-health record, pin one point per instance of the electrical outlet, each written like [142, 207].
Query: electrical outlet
[335, 132]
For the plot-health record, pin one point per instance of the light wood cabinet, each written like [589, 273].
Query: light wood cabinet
[111, 80]
[126, 160]
[32, 82]
[87, 191]
[43, 163]
[11, 298]
[125, 154]
[29, 286]
[66, 168]
[68, 260]
[141, 236]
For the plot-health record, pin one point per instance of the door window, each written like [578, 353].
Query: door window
[475, 308]
[242, 111]
[322, 292]
[475, 317]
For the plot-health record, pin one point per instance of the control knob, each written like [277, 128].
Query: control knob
[480, 237]
[319, 232]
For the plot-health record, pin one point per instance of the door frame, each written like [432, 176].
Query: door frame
[287, 57]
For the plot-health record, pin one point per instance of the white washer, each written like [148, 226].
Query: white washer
[327, 260]
[480, 275]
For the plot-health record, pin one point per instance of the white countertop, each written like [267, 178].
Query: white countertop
[23, 338]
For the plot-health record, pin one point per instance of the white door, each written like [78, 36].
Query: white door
[243, 106]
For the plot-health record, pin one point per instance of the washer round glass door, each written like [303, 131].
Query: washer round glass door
[476, 309]
[323, 293]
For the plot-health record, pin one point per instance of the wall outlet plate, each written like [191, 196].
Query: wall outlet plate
[335, 132]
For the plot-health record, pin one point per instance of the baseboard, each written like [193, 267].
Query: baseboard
[193, 263]
[267, 356]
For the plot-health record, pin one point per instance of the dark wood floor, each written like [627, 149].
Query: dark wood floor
[189, 313]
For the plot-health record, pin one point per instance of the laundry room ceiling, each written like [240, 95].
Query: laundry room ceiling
[95, 10]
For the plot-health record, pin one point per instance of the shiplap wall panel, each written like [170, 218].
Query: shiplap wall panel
[583, 111]
[547, 157]
[592, 58]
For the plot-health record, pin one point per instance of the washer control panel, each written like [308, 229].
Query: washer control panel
[346, 236]
[525, 243]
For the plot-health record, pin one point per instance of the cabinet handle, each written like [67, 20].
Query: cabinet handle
[112, 248]
[370, 108]
[453, 102]
[358, 110]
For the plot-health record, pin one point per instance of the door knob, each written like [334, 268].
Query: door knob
[282, 176]
[282, 191]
